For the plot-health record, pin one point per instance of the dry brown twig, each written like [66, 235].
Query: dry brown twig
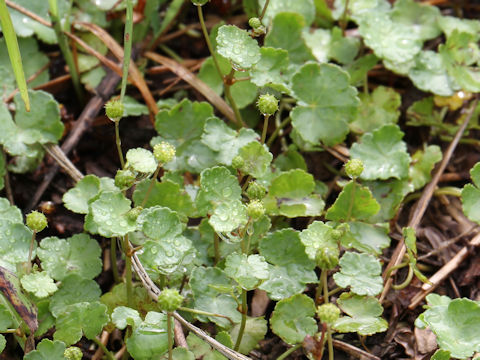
[195, 82]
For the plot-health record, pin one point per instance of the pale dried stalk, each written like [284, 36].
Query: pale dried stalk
[154, 292]
[59, 156]
[424, 200]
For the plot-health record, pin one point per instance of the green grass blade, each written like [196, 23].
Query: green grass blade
[14, 52]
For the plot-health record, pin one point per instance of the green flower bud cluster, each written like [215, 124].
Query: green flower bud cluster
[124, 179]
[354, 168]
[36, 221]
[164, 152]
[255, 209]
[257, 27]
[133, 214]
[238, 162]
[328, 313]
[256, 191]
[170, 300]
[327, 257]
[73, 353]
[114, 110]
[267, 104]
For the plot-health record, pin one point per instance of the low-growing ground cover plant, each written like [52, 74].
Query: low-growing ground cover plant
[290, 192]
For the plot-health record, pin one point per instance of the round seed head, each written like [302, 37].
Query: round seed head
[36, 221]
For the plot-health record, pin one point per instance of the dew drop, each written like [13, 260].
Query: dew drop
[223, 217]
[227, 192]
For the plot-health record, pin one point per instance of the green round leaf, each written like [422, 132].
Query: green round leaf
[355, 202]
[383, 153]
[73, 290]
[237, 46]
[471, 195]
[423, 163]
[317, 235]
[287, 33]
[205, 283]
[390, 40]
[364, 315]
[10, 212]
[456, 326]
[109, 214]
[80, 319]
[327, 103]
[217, 185]
[256, 159]
[292, 319]
[248, 271]
[224, 140]
[306, 8]
[123, 316]
[271, 69]
[366, 237]
[291, 270]
[430, 74]
[39, 283]
[294, 184]
[228, 216]
[167, 194]
[47, 350]
[361, 272]
[167, 255]
[15, 242]
[77, 198]
[159, 223]
[79, 255]
[141, 160]
[255, 330]
[377, 109]
[149, 339]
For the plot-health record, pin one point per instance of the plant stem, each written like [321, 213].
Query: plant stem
[207, 40]
[216, 246]
[275, 133]
[107, 353]
[170, 334]
[289, 351]
[228, 78]
[206, 313]
[244, 320]
[245, 184]
[65, 49]
[118, 141]
[407, 281]
[171, 53]
[324, 279]
[264, 10]
[343, 21]
[152, 184]
[227, 82]
[30, 252]
[128, 270]
[265, 127]
[393, 268]
[127, 47]
[447, 190]
[113, 260]
[352, 201]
